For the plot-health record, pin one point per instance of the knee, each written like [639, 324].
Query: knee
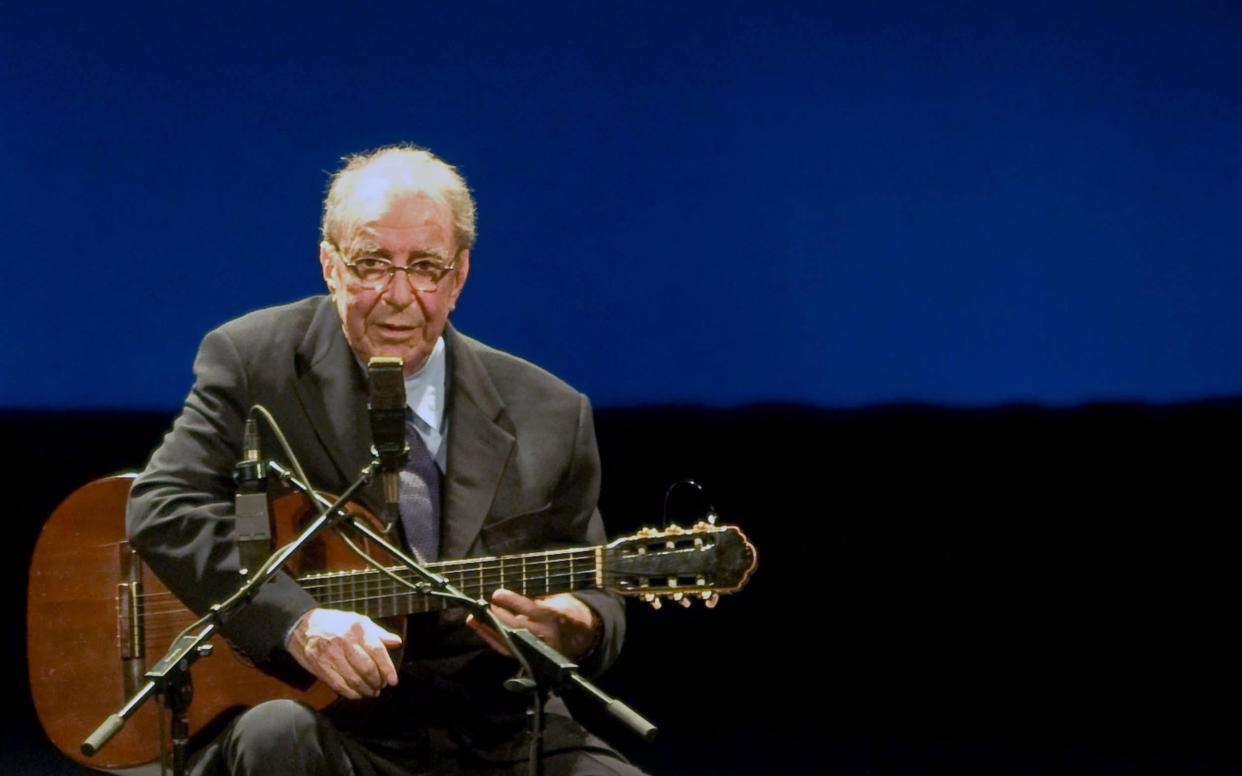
[274, 733]
[274, 721]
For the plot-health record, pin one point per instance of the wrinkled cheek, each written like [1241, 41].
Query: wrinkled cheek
[355, 325]
[359, 333]
[342, 310]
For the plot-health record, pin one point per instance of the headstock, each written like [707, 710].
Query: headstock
[701, 561]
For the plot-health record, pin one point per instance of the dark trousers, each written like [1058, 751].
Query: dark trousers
[286, 737]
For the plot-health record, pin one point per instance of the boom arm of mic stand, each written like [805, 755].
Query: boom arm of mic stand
[554, 669]
[547, 667]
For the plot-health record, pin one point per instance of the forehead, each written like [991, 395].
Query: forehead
[380, 213]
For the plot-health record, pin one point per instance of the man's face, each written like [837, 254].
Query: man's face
[395, 320]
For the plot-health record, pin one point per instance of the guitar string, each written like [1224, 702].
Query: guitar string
[346, 595]
[167, 629]
[165, 623]
[493, 571]
[314, 583]
[543, 559]
[353, 588]
[166, 626]
[321, 580]
[379, 587]
[160, 622]
[347, 586]
[462, 568]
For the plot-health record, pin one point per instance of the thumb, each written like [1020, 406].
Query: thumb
[390, 639]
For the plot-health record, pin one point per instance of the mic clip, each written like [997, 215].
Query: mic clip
[252, 513]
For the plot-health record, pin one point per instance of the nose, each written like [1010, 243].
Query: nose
[399, 292]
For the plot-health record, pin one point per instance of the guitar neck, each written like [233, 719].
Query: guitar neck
[377, 594]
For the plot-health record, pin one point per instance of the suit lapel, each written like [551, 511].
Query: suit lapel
[333, 393]
[479, 447]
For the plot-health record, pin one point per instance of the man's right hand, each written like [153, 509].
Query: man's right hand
[347, 651]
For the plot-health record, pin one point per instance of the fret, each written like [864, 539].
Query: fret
[384, 593]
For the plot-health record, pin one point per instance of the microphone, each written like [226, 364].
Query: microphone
[252, 506]
[387, 410]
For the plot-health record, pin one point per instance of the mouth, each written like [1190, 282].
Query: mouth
[395, 331]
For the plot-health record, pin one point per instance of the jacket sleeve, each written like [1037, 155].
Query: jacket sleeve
[180, 513]
[582, 482]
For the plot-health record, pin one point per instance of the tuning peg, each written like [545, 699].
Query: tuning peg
[685, 602]
[646, 531]
[656, 603]
[678, 596]
[710, 599]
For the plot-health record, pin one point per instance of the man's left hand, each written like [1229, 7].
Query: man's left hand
[562, 621]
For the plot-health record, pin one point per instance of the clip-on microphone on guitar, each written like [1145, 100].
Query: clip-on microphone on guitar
[253, 503]
[387, 411]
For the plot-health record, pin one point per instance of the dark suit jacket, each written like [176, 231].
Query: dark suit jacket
[522, 469]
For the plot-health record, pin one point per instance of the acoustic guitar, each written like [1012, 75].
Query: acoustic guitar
[97, 617]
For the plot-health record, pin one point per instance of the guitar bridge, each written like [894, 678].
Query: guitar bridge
[130, 629]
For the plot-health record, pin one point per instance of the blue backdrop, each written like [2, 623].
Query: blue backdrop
[721, 202]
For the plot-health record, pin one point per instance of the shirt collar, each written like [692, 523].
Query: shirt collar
[424, 390]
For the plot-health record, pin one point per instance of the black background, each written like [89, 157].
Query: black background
[1015, 590]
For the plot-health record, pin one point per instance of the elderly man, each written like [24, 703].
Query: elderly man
[503, 460]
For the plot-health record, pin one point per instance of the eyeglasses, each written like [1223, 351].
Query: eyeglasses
[375, 272]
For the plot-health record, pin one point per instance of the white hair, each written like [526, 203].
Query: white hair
[402, 168]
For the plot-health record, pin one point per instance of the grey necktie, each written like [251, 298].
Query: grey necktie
[420, 496]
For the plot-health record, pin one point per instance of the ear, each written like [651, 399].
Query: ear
[459, 277]
[328, 266]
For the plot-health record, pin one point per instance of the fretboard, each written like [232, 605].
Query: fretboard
[375, 594]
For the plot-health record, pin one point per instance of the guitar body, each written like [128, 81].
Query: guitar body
[97, 618]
